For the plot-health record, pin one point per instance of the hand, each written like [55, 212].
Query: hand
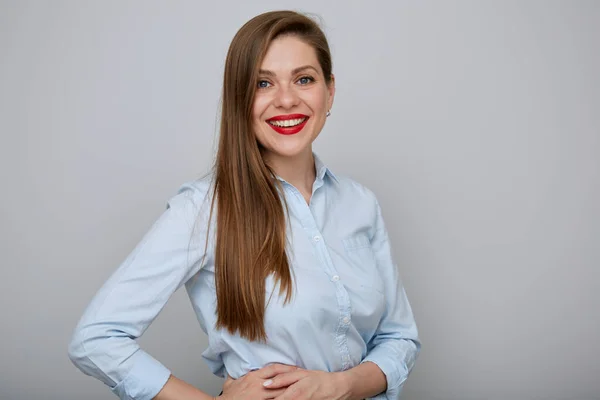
[305, 384]
[250, 386]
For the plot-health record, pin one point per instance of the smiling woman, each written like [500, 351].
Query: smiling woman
[291, 79]
[288, 265]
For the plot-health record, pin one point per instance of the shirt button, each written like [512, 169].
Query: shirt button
[346, 320]
[317, 238]
[335, 278]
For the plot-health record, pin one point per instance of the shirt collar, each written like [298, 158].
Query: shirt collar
[320, 168]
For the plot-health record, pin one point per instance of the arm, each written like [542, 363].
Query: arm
[395, 346]
[176, 389]
[104, 344]
[364, 381]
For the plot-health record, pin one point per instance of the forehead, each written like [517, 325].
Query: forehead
[287, 53]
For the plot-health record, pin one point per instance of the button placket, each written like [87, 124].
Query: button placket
[307, 219]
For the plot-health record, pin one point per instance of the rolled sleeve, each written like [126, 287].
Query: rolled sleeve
[395, 346]
[145, 379]
[396, 359]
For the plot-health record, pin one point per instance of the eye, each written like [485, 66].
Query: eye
[305, 80]
[262, 84]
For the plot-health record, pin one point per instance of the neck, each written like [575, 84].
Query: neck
[298, 170]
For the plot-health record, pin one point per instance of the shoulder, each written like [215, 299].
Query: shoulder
[355, 191]
[360, 204]
[354, 204]
[193, 195]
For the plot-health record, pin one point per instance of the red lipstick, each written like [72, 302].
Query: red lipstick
[288, 130]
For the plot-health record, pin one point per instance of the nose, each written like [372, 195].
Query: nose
[286, 97]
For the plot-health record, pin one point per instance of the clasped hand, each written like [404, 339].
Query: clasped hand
[286, 382]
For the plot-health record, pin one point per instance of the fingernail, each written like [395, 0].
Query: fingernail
[268, 382]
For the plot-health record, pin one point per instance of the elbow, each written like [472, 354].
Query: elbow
[85, 348]
[84, 352]
[76, 350]
[97, 352]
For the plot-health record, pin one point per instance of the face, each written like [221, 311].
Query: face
[292, 99]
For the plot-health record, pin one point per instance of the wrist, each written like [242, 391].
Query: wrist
[345, 385]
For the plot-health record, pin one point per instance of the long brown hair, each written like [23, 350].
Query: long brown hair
[251, 224]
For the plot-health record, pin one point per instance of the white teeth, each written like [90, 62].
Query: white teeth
[288, 122]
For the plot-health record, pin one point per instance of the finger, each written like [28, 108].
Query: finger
[289, 393]
[286, 379]
[274, 369]
[271, 394]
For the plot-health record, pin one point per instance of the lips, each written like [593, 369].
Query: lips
[289, 124]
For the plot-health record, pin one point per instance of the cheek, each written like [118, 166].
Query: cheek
[318, 102]
[259, 107]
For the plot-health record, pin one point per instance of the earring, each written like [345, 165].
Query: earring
[328, 113]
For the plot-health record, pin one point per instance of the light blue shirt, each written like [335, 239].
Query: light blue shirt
[348, 305]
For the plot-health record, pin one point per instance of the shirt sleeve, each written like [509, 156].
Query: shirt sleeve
[104, 343]
[395, 346]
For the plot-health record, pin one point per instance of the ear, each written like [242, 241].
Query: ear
[331, 90]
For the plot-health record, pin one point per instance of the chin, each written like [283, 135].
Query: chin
[288, 151]
[287, 148]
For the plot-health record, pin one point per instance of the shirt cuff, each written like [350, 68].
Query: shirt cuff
[387, 359]
[144, 381]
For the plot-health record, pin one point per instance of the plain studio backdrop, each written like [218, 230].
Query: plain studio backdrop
[477, 124]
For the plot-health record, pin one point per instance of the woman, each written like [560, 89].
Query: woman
[288, 266]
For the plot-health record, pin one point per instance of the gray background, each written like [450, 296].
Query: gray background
[475, 122]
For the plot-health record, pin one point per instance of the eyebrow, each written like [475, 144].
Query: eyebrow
[294, 71]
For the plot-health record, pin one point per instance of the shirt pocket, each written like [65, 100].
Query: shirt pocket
[362, 260]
